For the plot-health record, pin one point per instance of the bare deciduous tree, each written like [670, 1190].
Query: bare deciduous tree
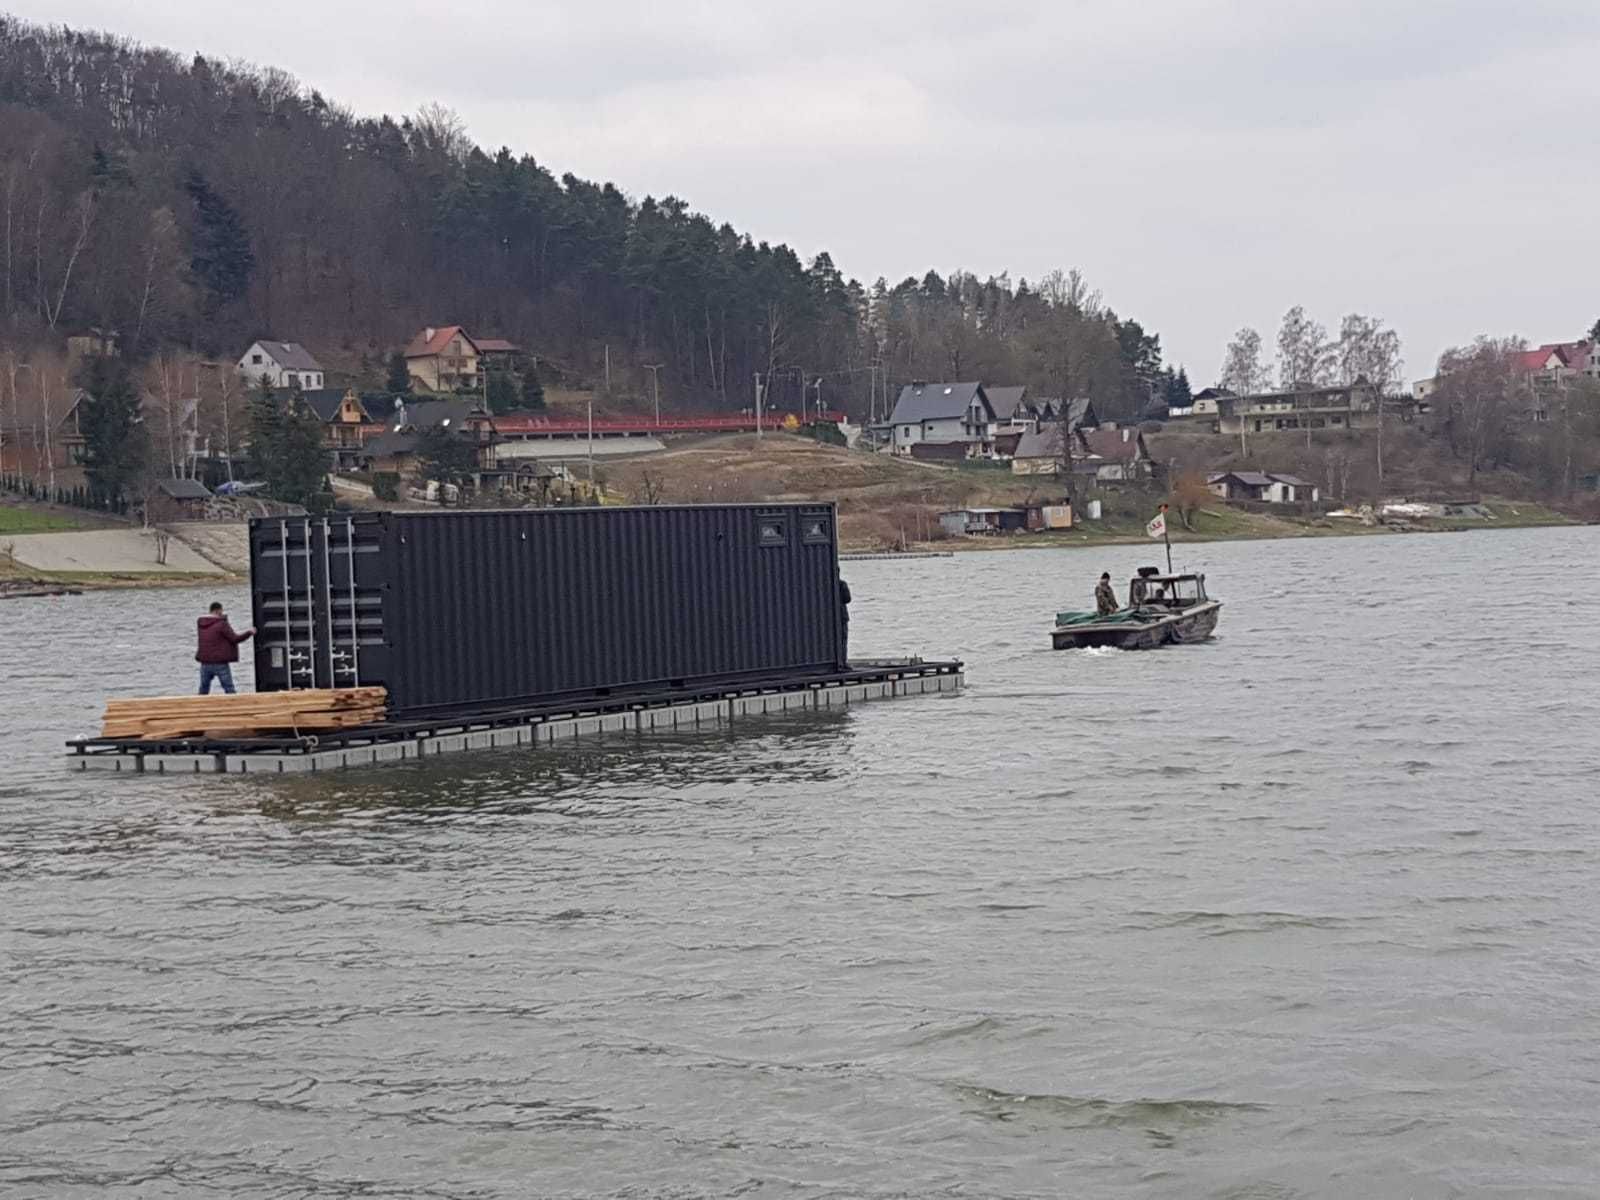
[1189, 495]
[1480, 391]
[1071, 291]
[160, 268]
[15, 173]
[1305, 356]
[441, 129]
[80, 222]
[1371, 352]
[1243, 372]
[47, 417]
[225, 387]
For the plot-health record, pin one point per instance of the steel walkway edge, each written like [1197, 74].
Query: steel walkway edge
[378, 745]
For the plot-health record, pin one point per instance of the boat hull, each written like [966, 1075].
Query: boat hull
[1181, 628]
[1195, 626]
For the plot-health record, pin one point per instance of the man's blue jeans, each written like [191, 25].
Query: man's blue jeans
[221, 672]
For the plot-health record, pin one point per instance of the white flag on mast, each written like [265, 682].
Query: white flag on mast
[1158, 526]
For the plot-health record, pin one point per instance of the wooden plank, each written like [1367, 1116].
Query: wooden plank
[243, 714]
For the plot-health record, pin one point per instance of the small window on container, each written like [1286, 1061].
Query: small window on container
[814, 529]
[771, 530]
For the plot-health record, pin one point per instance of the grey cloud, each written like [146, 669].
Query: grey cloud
[1207, 162]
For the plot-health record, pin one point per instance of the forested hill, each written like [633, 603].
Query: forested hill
[191, 203]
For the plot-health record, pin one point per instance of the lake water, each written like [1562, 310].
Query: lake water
[1310, 911]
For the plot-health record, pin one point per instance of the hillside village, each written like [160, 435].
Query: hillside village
[204, 333]
[465, 419]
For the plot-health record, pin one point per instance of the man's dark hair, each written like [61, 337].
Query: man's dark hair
[216, 606]
[1105, 574]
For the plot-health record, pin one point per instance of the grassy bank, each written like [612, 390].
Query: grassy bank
[18, 519]
[885, 501]
[1223, 524]
[97, 581]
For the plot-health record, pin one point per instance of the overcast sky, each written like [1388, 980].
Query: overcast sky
[1206, 164]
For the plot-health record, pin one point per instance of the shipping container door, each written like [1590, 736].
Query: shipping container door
[317, 599]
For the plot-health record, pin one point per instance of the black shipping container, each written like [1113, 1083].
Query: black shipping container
[459, 611]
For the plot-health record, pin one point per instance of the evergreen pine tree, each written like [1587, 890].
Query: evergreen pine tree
[266, 435]
[222, 262]
[116, 446]
[399, 381]
[1178, 393]
[503, 397]
[446, 455]
[302, 457]
[532, 390]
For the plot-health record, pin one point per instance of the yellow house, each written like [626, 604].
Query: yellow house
[443, 360]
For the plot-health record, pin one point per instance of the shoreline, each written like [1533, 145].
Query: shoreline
[981, 544]
[20, 582]
[45, 585]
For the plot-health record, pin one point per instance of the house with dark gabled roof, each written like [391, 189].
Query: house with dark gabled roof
[1112, 455]
[1013, 411]
[1039, 452]
[1106, 455]
[1270, 487]
[1202, 404]
[395, 449]
[1079, 412]
[497, 350]
[940, 412]
[28, 448]
[346, 422]
[282, 364]
[1239, 485]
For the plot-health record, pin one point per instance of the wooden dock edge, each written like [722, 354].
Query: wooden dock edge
[700, 714]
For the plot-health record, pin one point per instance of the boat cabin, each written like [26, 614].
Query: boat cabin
[1150, 589]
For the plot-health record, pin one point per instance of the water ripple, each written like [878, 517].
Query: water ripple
[1305, 912]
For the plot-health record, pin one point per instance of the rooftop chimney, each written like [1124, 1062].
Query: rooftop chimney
[427, 334]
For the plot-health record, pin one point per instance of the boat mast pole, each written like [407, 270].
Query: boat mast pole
[1166, 537]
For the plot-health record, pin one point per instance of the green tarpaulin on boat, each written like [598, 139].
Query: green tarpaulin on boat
[1120, 617]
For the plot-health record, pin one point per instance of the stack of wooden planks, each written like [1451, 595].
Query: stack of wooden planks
[251, 714]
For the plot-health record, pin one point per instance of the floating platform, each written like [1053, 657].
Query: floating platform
[894, 555]
[405, 741]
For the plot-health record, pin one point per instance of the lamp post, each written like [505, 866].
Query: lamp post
[655, 385]
[227, 436]
[49, 446]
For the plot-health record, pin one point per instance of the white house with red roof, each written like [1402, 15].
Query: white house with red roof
[449, 359]
[1555, 362]
[1551, 367]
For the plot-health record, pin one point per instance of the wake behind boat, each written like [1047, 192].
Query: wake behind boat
[1161, 610]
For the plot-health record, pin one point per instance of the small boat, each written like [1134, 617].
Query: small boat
[1161, 610]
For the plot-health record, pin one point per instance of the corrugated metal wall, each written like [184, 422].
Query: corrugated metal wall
[500, 607]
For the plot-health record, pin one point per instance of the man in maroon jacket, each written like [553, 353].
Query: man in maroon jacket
[219, 646]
